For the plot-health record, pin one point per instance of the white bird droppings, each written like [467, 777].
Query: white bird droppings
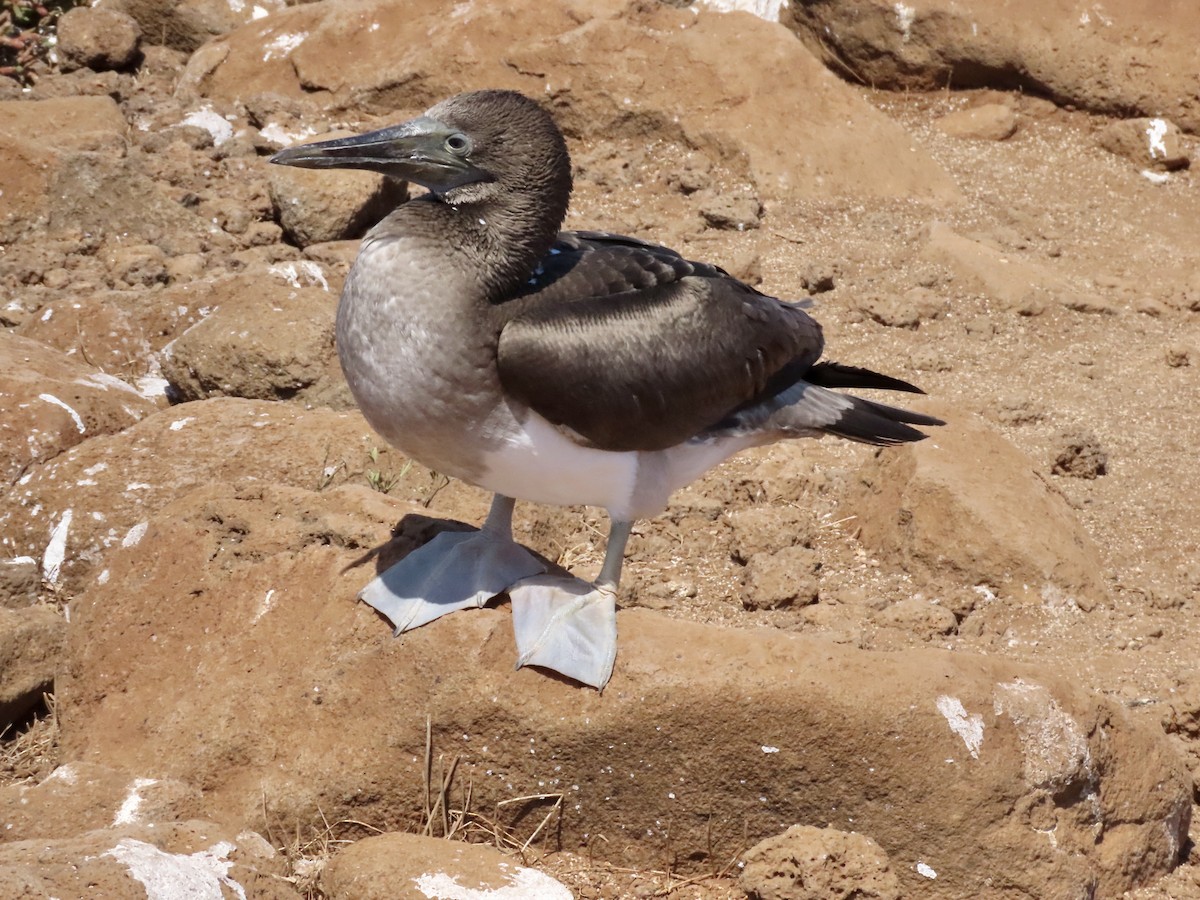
[283, 45]
[524, 884]
[306, 269]
[168, 876]
[56, 550]
[764, 9]
[50, 398]
[134, 535]
[212, 122]
[926, 870]
[905, 16]
[127, 814]
[967, 727]
[1156, 130]
[264, 607]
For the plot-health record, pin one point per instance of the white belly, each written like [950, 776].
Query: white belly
[538, 463]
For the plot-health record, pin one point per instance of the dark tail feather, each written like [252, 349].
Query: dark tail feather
[875, 423]
[835, 375]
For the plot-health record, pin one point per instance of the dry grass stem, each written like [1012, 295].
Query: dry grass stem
[33, 753]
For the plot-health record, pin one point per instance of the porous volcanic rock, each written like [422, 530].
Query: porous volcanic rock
[315, 206]
[237, 610]
[1151, 143]
[263, 339]
[186, 24]
[67, 170]
[80, 797]
[988, 122]
[807, 863]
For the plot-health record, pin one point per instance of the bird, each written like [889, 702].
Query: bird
[558, 367]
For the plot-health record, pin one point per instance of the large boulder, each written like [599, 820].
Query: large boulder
[71, 511]
[236, 610]
[1115, 57]
[771, 113]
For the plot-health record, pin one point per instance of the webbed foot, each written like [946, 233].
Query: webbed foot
[566, 625]
[455, 570]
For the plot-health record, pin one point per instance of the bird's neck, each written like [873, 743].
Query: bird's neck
[501, 239]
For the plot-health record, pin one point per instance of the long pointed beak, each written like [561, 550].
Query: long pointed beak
[413, 151]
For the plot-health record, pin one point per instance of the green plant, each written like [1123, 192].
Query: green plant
[27, 35]
[381, 480]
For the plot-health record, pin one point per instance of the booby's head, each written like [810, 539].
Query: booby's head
[471, 148]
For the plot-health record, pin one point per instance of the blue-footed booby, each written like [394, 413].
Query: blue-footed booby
[573, 367]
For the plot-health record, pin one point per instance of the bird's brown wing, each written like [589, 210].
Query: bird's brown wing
[628, 346]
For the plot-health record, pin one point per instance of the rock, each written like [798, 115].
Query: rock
[968, 504]
[31, 646]
[98, 39]
[56, 181]
[1018, 284]
[315, 206]
[807, 863]
[785, 577]
[106, 490]
[52, 403]
[264, 340]
[68, 123]
[746, 70]
[141, 265]
[1153, 144]
[398, 866]
[1125, 56]
[736, 211]
[175, 859]
[237, 610]
[988, 122]
[918, 616]
[19, 582]
[1178, 356]
[123, 330]
[39, 141]
[80, 797]
[763, 530]
[186, 24]
[906, 311]
[1080, 455]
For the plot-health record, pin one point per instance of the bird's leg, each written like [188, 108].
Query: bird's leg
[455, 570]
[568, 625]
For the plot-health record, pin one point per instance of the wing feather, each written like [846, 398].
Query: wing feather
[628, 346]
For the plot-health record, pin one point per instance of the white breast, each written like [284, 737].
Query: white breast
[539, 463]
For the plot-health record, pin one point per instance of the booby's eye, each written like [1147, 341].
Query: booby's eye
[458, 144]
